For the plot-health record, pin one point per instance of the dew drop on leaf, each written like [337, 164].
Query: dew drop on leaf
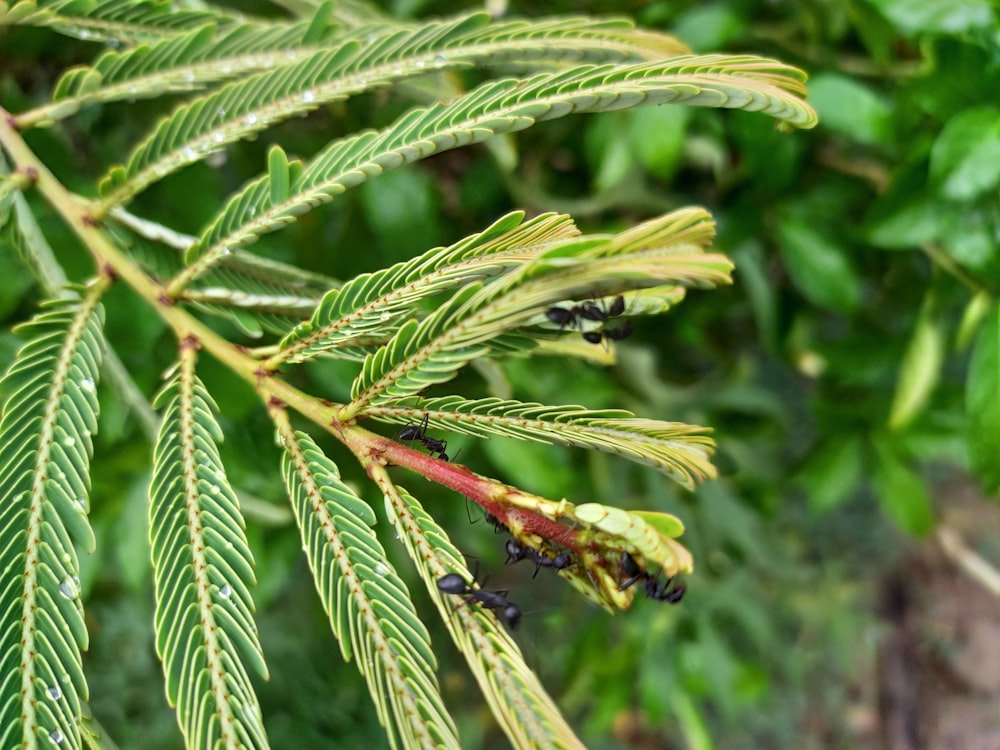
[87, 384]
[69, 442]
[218, 136]
[69, 588]
[54, 692]
[56, 736]
[381, 569]
[225, 592]
[250, 119]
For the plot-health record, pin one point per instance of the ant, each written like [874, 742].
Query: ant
[453, 583]
[661, 592]
[517, 552]
[610, 334]
[563, 317]
[419, 432]
[495, 522]
[592, 311]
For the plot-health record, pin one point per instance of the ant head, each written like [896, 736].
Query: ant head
[515, 551]
[512, 614]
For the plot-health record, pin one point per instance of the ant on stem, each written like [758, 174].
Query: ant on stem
[453, 583]
[419, 432]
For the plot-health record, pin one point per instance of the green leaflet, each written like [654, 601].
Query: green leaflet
[49, 418]
[518, 701]
[375, 304]
[203, 570]
[680, 450]
[505, 106]
[369, 607]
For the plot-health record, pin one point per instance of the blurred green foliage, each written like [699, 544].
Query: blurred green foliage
[854, 362]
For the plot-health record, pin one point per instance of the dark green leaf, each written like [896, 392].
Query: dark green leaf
[901, 491]
[818, 267]
[965, 160]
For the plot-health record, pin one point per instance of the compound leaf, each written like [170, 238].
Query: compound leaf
[203, 570]
[49, 418]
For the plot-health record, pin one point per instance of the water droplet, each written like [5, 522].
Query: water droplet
[56, 736]
[250, 119]
[188, 76]
[69, 442]
[214, 489]
[218, 137]
[308, 97]
[69, 588]
[54, 692]
[189, 153]
[82, 502]
[440, 59]
[87, 384]
[225, 592]
[381, 569]
[220, 112]
[225, 251]
[421, 63]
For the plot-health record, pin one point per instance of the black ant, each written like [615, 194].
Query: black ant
[495, 522]
[419, 432]
[661, 592]
[618, 333]
[453, 583]
[563, 316]
[517, 552]
[592, 311]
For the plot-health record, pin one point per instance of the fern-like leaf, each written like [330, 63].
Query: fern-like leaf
[523, 709]
[368, 604]
[184, 62]
[203, 570]
[376, 303]
[492, 109]
[49, 418]
[680, 450]
[110, 21]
